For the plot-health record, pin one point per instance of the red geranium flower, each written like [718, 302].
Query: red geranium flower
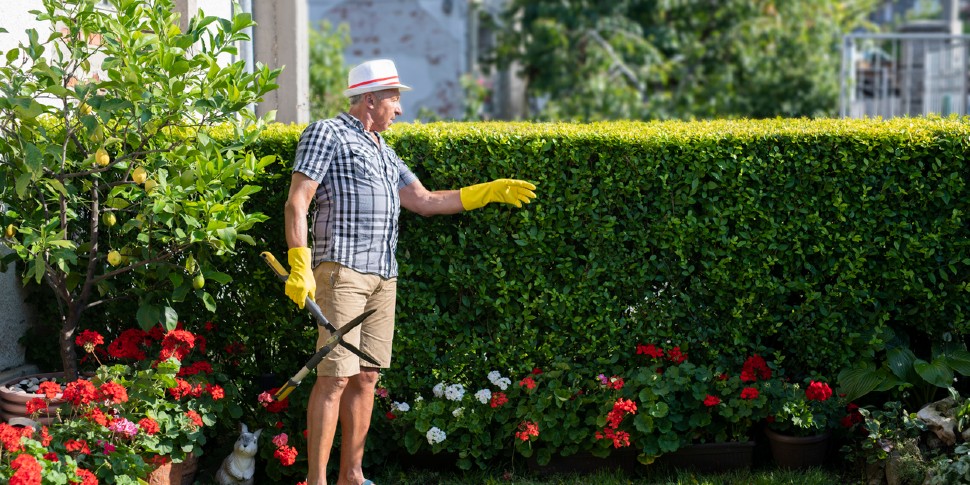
[755, 368]
[87, 478]
[49, 389]
[89, 339]
[177, 343]
[528, 383]
[818, 391]
[27, 470]
[749, 393]
[80, 392]
[526, 430]
[498, 399]
[286, 455]
[35, 404]
[194, 416]
[114, 392]
[711, 401]
[149, 426]
[676, 356]
[129, 345]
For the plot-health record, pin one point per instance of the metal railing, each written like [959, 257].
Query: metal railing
[890, 75]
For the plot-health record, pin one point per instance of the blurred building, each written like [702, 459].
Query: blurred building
[434, 43]
[919, 68]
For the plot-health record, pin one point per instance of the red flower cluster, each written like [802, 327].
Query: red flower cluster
[498, 399]
[650, 351]
[853, 417]
[49, 389]
[87, 478]
[754, 369]
[674, 355]
[80, 392]
[749, 393]
[818, 391]
[130, 344]
[526, 430]
[194, 417]
[89, 339]
[27, 470]
[711, 401]
[528, 383]
[177, 343]
[621, 408]
[284, 453]
[149, 426]
[10, 437]
[620, 438]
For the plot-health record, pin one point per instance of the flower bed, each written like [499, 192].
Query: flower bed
[135, 413]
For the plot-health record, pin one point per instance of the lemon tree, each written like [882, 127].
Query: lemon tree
[109, 173]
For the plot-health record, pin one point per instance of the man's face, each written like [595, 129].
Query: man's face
[385, 106]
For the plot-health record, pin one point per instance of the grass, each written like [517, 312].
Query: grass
[413, 476]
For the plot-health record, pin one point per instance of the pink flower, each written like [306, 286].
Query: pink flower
[280, 440]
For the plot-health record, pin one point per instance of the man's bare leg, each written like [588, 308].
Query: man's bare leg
[323, 410]
[355, 415]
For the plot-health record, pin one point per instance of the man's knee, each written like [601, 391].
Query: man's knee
[367, 377]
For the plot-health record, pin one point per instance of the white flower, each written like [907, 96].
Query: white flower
[401, 406]
[483, 396]
[458, 412]
[455, 392]
[435, 435]
[419, 398]
[503, 383]
[438, 389]
[494, 376]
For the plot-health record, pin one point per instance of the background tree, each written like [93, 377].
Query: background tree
[112, 186]
[588, 60]
[328, 73]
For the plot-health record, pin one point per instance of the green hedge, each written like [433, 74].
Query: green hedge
[802, 238]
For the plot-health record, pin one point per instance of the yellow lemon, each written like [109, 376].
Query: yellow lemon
[110, 219]
[10, 231]
[150, 185]
[139, 175]
[102, 157]
[114, 258]
[85, 109]
[198, 282]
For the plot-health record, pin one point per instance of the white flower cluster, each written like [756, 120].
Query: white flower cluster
[438, 389]
[483, 396]
[435, 435]
[455, 392]
[458, 412]
[401, 406]
[496, 378]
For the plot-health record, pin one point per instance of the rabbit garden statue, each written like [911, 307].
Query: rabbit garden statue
[239, 466]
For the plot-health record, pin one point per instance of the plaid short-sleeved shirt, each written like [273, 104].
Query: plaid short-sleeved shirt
[357, 201]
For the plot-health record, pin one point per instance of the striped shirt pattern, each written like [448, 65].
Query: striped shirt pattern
[357, 201]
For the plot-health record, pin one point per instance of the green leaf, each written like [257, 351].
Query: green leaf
[936, 372]
[859, 381]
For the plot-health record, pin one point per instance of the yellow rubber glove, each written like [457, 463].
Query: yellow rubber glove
[508, 191]
[300, 284]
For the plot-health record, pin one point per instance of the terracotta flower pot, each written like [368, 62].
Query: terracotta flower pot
[798, 451]
[175, 473]
[13, 401]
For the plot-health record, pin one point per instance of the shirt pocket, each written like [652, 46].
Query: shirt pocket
[366, 161]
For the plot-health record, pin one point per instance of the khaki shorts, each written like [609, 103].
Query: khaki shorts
[343, 294]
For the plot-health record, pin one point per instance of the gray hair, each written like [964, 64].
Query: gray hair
[357, 98]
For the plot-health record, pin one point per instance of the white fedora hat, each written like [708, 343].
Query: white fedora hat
[373, 75]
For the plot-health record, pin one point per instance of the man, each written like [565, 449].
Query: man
[359, 185]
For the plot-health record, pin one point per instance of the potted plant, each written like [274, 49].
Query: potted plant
[146, 405]
[113, 184]
[803, 415]
[697, 414]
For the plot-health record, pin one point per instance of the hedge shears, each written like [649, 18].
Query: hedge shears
[336, 336]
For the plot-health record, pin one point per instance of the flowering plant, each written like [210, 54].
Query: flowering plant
[681, 402]
[455, 419]
[806, 408]
[134, 413]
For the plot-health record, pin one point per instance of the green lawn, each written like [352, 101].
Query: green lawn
[401, 476]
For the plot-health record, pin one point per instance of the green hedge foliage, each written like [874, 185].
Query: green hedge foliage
[802, 237]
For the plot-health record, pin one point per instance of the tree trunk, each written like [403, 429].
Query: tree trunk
[66, 340]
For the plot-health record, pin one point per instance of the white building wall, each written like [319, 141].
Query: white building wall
[427, 39]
